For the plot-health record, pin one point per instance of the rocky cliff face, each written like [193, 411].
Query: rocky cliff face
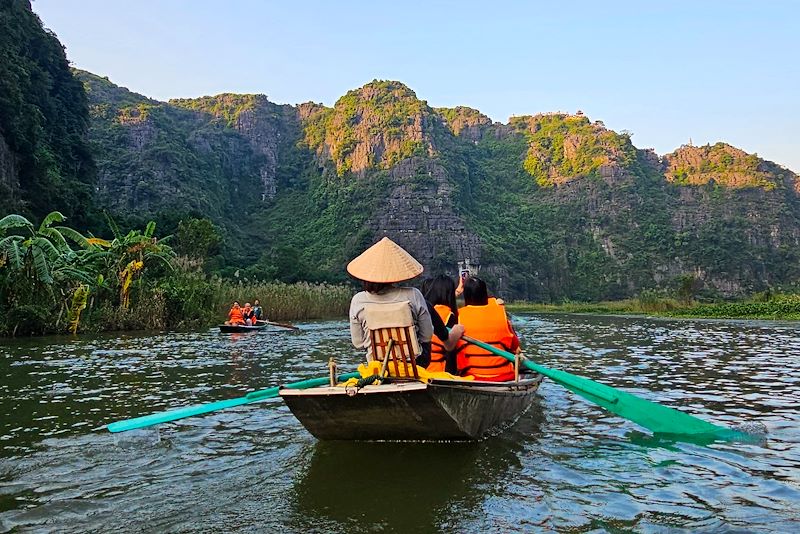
[384, 129]
[260, 121]
[465, 122]
[551, 205]
[418, 212]
[158, 160]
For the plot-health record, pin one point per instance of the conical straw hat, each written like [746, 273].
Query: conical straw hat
[385, 262]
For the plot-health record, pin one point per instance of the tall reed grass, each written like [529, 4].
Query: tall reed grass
[776, 306]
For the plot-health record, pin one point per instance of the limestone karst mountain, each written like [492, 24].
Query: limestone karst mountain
[551, 205]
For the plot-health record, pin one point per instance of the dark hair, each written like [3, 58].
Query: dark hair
[374, 287]
[441, 290]
[425, 288]
[475, 292]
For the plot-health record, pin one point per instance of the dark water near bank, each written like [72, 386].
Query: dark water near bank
[565, 466]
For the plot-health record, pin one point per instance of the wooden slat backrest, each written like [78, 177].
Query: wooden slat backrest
[393, 321]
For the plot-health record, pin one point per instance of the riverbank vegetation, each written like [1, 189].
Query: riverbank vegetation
[765, 305]
[53, 279]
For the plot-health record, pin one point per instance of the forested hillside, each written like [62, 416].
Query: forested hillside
[552, 206]
[45, 161]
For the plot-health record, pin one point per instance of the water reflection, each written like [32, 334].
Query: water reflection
[420, 487]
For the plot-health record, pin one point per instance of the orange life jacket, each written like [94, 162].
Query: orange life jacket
[438, 354]
[235, 316]
[490, 325]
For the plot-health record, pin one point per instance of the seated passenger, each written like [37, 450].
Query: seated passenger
[484, 319]
[258, 312]
[440, 294]
[235, 316]
[247, 314]
[379, 268]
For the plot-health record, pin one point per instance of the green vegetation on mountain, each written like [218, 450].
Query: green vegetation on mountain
[464, 120]
[375, 126]
[565, 147]
[724, 165]
[227, 106]
[45, 162]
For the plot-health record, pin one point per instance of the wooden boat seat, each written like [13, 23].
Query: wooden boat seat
[393, 335]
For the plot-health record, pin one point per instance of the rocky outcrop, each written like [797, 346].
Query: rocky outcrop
[720, 164]
[373, 127]
[260, 121]
[156, 158]
[563, 147]
[465, 122]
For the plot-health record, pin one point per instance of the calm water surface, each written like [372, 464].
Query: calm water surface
[565, 466]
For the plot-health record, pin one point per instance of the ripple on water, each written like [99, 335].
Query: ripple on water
[566, 465]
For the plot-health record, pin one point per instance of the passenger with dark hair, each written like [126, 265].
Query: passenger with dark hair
[485, 319]
[440, 295]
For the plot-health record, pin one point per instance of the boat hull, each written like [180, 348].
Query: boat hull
[233, 328]
[438, 410]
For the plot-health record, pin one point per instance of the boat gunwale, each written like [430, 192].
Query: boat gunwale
[415, 385]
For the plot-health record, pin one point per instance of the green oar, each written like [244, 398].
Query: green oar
[652, 416]
[199, 409]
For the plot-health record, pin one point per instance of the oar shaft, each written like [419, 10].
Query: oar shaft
[575, 382]
[282, 325]
[200, 409]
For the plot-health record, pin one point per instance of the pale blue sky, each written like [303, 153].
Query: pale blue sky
[667, 71]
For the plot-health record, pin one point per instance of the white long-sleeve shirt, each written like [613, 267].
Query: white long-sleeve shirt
[359, 333]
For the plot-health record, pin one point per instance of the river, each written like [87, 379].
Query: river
[565, 466]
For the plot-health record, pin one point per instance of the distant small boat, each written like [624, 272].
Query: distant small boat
[232, 328]
[412, 410]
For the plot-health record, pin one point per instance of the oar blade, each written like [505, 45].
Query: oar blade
[653, 416]
[174, 415]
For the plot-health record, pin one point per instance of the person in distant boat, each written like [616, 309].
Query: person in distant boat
[485, 319]
[247, 314]
[378, 269]
[258, 313]
[235, 316]
[440, 295]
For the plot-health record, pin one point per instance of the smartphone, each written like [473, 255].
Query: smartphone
[464, 274]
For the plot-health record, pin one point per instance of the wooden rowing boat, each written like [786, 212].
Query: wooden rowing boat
[233, 328]
[412, 410]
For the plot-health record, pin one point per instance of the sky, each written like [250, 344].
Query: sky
[667, 71]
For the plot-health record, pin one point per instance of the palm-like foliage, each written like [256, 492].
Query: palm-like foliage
[42, 254]
[49, 263]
